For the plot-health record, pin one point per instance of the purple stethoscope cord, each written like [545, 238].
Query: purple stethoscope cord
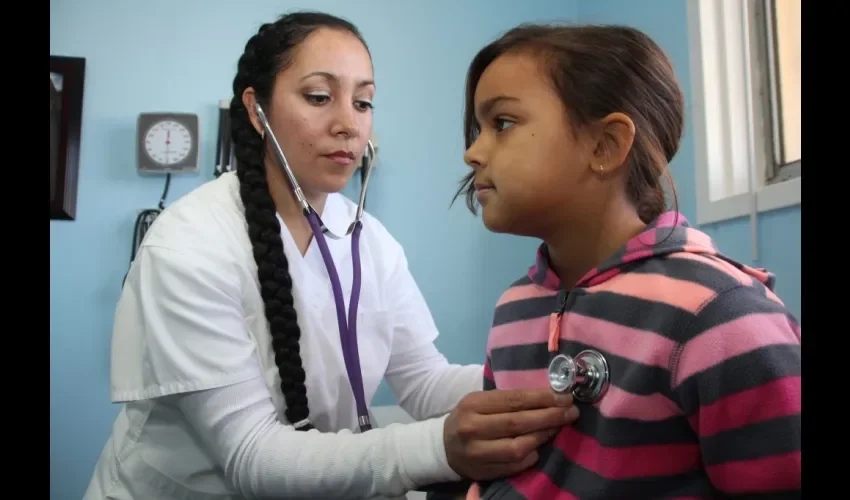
[347, 330]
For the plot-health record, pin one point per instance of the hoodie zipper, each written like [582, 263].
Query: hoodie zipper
[554, 335]
[555, 321]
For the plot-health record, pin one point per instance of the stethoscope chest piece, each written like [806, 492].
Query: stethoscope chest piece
[586, 376]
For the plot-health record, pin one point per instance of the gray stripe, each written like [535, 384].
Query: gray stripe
[734, 304]
[777, 436]
[589, 485]
[501, 490]
[625, 432]
[524, 309]
[623, 310]
[737, 374]
[693, 271]
[525, 280]
[542, 263]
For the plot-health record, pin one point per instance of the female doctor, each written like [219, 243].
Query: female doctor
[227, 348]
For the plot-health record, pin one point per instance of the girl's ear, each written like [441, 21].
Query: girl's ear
[615, 136]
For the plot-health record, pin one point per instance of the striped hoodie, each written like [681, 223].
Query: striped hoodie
[704, 400]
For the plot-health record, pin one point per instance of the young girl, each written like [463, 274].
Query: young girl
[569, 131]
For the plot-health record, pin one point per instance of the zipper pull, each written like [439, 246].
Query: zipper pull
[555, 321]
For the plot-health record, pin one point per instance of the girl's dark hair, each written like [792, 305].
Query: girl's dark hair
[266, 54]
[598, 70]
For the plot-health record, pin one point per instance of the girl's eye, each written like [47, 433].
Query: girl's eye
[317, 99]
[502, 124]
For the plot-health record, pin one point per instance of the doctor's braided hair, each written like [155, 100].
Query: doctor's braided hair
[267, 53]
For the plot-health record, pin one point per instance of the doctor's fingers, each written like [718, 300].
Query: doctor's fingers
[488, 471]
[507, 451]
[500, 401]
[508, 425]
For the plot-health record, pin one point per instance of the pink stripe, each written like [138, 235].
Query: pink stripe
[551, 281]
[759, 274]
[523, 292]
[618, 403]
[760, 475]
[627, 462]
[698, 239]
[522, 379]
[686, 295]
[779, 398]
[772, 296]
[643, 241]
[527, 331]
[639, 346]
[670, 219]
[732, 339]
[798, 331]
[637, 255]
[536, 484]
[532, 271]
[599, 278]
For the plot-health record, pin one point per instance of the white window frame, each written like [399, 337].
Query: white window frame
[733, 112]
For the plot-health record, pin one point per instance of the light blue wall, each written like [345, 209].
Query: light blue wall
[779, 230]
[146, 56]
[180, 56]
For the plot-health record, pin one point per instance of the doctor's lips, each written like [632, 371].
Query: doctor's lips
[344, 158]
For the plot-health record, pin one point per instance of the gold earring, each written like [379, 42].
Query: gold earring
[601, 169]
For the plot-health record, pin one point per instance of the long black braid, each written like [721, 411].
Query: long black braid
[266, 54]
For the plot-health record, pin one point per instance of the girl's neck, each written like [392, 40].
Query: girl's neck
[582, 245]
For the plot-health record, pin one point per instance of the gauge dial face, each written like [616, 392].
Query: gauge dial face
[168, 142]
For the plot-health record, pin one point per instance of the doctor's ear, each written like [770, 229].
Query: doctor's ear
[249, 100]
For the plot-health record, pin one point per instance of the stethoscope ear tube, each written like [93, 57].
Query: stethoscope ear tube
[368, 165]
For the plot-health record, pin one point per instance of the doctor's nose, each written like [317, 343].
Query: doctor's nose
[345, 123]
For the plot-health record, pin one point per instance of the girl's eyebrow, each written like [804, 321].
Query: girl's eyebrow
[486, 106]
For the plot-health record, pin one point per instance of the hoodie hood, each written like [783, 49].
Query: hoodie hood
[669, 234]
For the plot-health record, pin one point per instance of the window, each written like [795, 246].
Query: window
[746, 97]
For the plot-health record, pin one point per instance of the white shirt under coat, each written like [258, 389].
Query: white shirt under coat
[192, 363]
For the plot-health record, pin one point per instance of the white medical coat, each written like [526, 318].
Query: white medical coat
[208, 330]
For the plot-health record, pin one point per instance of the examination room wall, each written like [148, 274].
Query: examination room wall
[162, 55]
[779, 230]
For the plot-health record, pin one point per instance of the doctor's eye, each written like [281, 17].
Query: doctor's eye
[501, 124]
[317, 99]
[363, 105]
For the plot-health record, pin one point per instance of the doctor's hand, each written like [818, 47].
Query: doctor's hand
[492, 434]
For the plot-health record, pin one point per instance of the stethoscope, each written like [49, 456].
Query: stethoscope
[347, 328]
[586, 376]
